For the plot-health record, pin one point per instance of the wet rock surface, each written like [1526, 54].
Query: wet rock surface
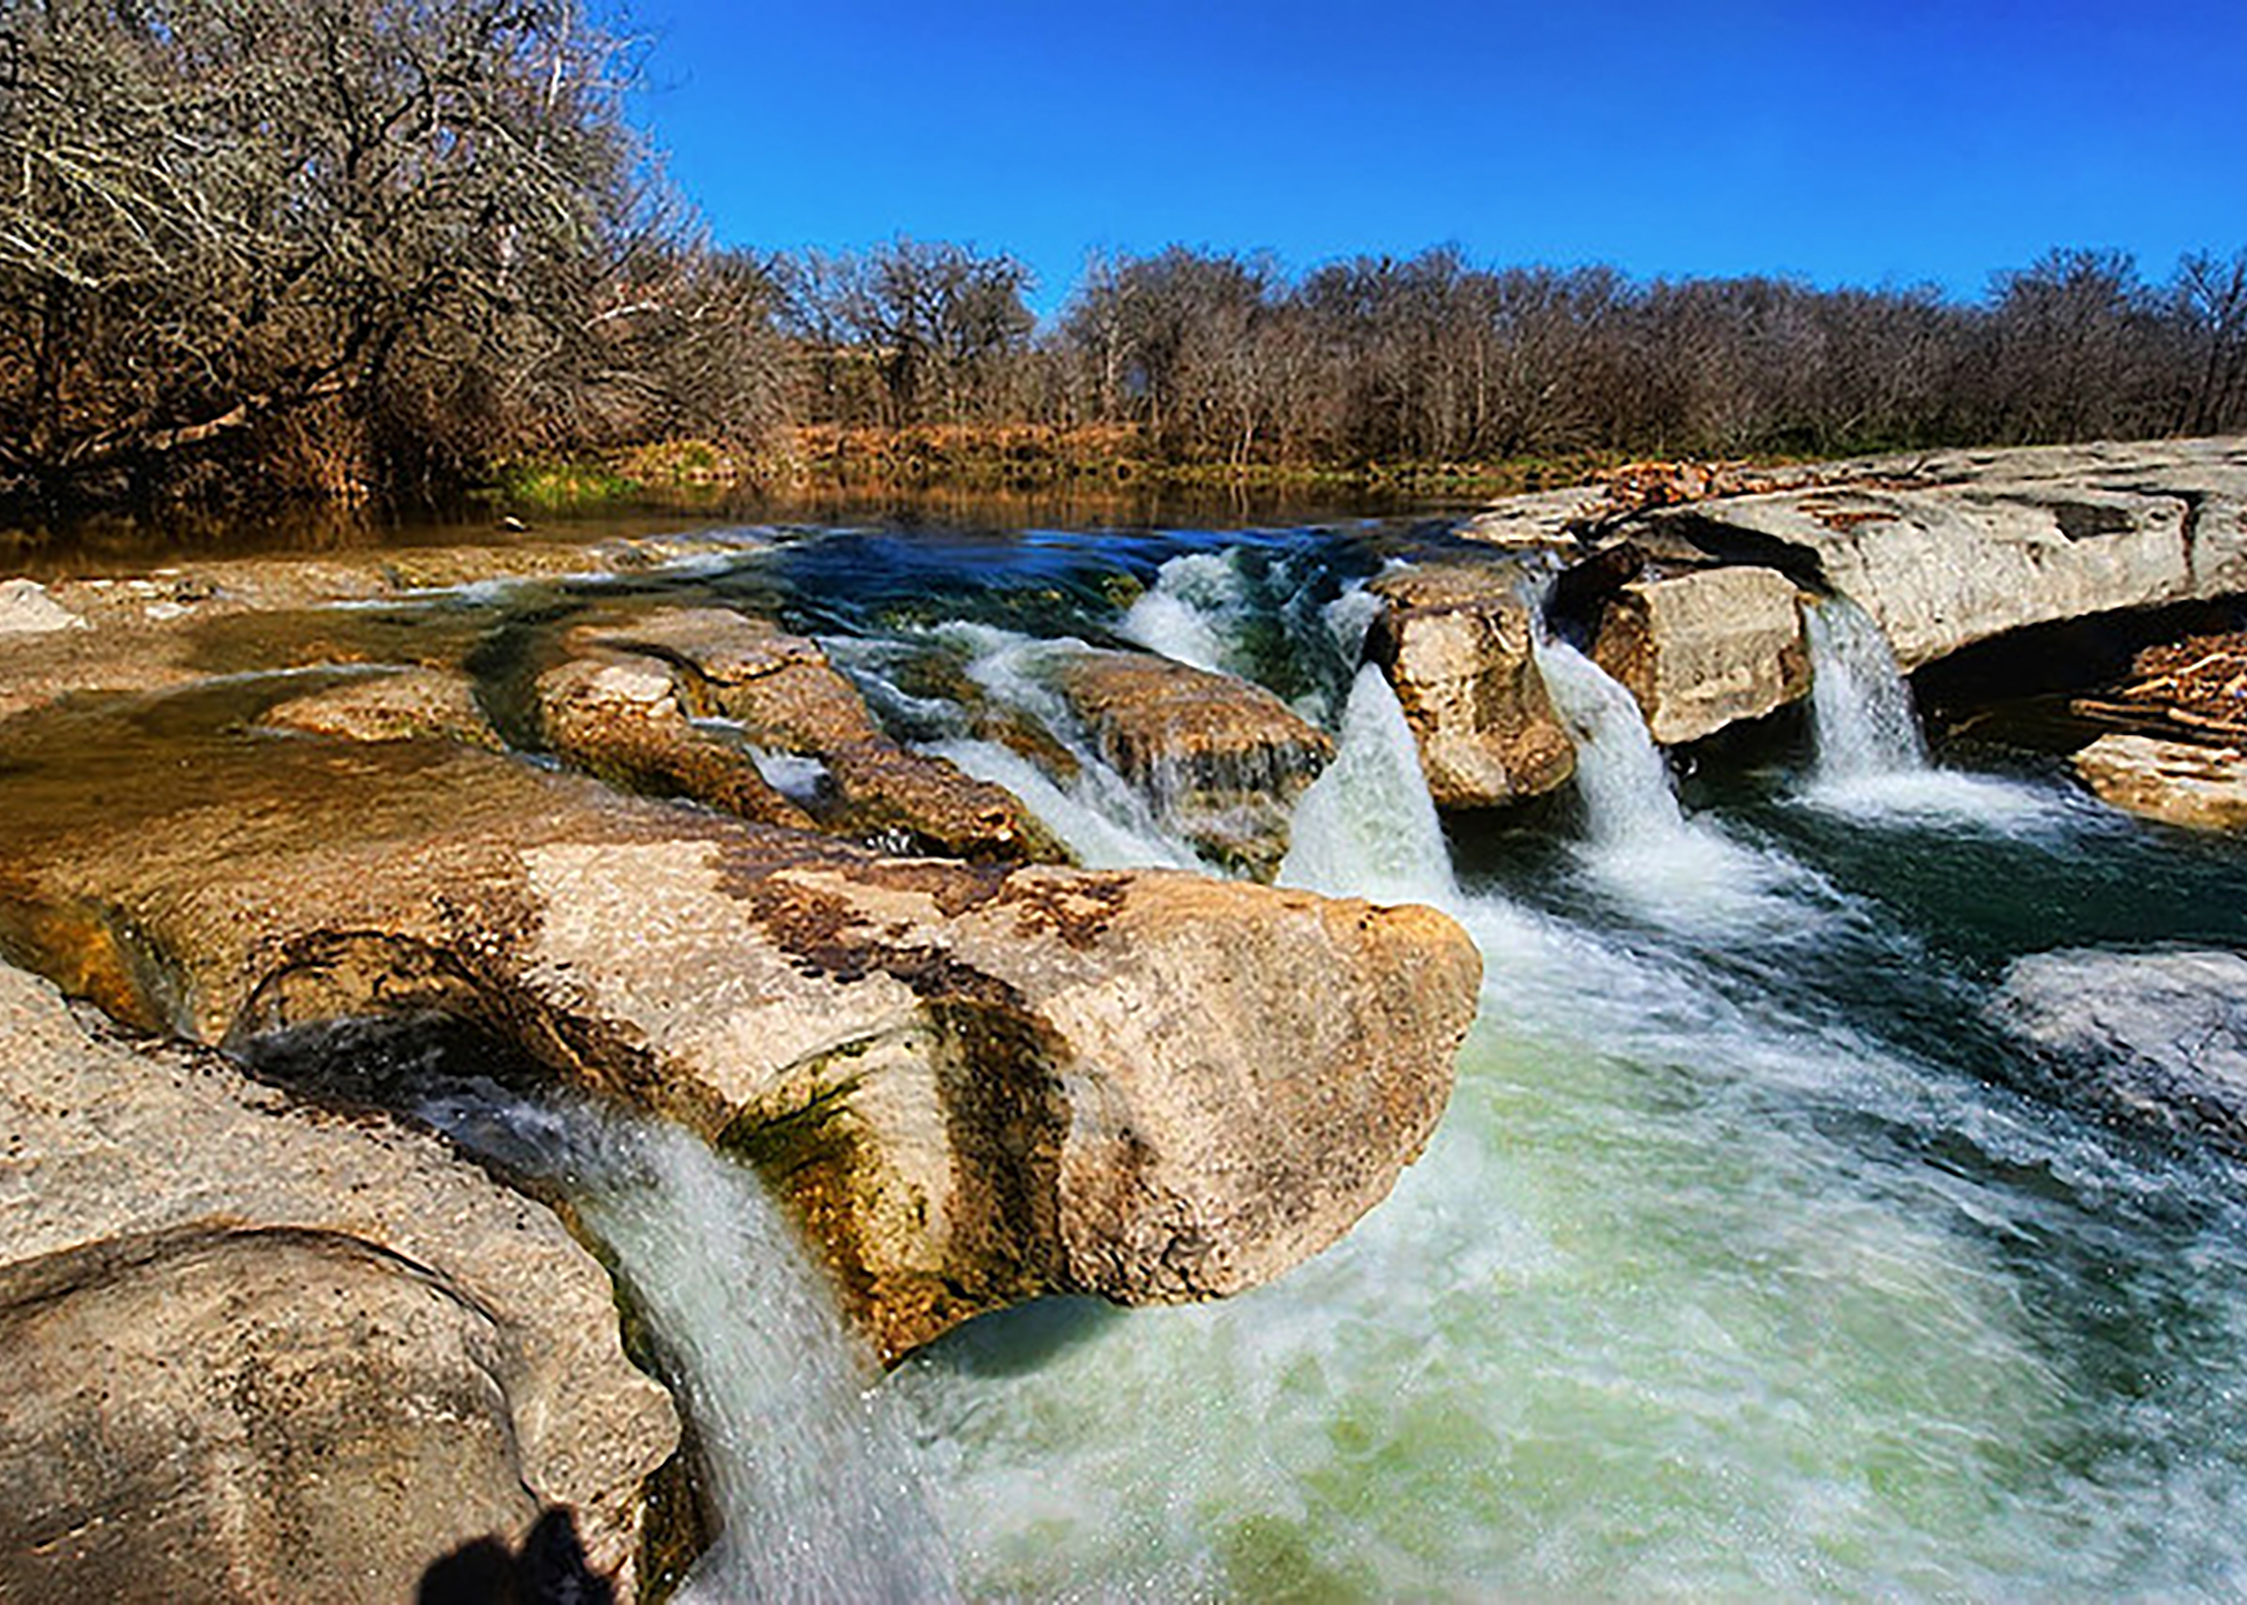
[2163, 1035]
[1458, 647]
[1222, 761]
[623, 707]
[975, 1084]
[254, 1349]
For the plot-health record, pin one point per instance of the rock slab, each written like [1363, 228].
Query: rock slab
[256, 1350]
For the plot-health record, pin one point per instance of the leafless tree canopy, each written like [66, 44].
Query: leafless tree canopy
[1219, 357]
[345, 240]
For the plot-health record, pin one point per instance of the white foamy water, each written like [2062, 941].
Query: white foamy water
[1096, 815]
[1193, 610]
[817, 1493]
[1639, 845]
[1872, 755]
[1367, 827]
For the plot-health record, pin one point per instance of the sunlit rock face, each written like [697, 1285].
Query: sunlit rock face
[255, 1349]
[633, 699]
[1950, 549]
[976, 1083]
[1458, 645]
[1706, 649]
[2199, 785]
[1222, 761]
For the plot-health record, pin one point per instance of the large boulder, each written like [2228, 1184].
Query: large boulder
[1950, 551]
[1458, 645]
[1706, 649]
[975, 1083]
[1222, 760]
[254, 1350]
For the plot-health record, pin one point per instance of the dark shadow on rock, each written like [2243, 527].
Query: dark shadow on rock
[550, 1569]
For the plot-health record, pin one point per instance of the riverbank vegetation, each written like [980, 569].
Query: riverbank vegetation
[378, 249]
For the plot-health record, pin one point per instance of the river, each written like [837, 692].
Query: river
[1774, 1241]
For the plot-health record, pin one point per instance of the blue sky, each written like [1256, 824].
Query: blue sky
[1901, 142]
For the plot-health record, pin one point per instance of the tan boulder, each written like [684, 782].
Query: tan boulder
[1458, 646]
[620, 709]
[2195, 784]
[976, 1084]
[1706, 649]
[1222, 760]
[255, 1350]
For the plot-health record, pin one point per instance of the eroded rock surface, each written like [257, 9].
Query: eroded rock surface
[255, 1350]
[976, 1083]
[622, 706]
[1458, 647]
[2195, 784]
[1223, 761]
[1949, 550]
[1703, 650]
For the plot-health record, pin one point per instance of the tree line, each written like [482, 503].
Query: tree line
[353, 247]
[1221, 357]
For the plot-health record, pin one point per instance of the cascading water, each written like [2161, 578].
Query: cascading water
[1861, 705]
[1741, 1266]
[1640, 846]
[814, 1488]
[1872, 755]
[1367, 826]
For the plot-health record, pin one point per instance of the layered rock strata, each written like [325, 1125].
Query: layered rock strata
[1947, 551]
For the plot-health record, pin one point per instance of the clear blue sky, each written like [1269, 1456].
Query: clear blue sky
[1846, 143]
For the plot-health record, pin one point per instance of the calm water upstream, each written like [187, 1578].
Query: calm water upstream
[1761, 1251]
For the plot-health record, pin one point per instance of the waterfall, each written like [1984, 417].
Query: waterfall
[1620, 774]
[1860, 704]
[1367, 826]
[812, 1484]
[1872, 757]
[1639, 845]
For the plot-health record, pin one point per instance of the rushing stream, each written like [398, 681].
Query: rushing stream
[1765, 1248]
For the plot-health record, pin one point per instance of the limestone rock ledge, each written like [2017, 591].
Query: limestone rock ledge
[2194, 784]
[976, 1083]
[252, 1349]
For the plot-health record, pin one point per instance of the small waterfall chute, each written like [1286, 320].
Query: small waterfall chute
[1367, 826]
[1638, 842]
[812, 1483]
[1861, 705]
[1872, 759]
